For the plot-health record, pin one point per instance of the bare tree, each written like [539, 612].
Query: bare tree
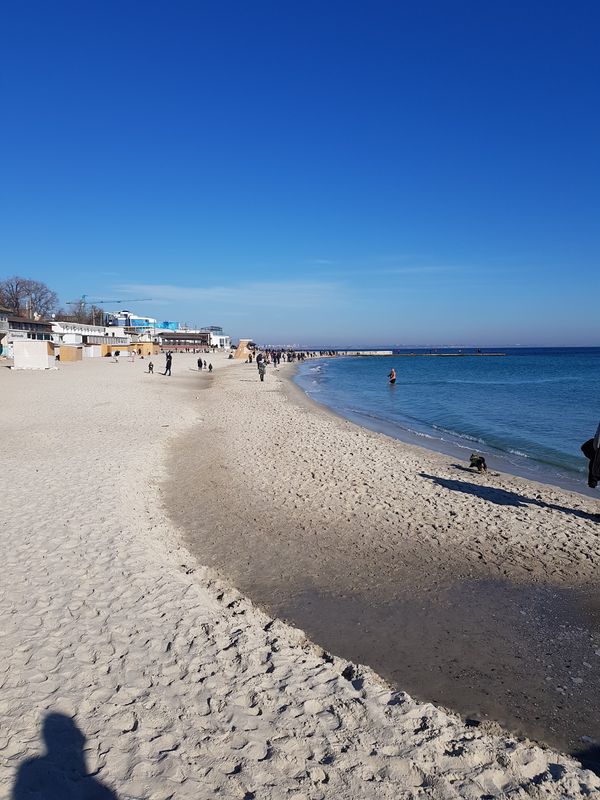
[26, 297]
[96, 315]
[82, 313]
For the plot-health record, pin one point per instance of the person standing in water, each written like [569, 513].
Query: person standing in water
[392, 376]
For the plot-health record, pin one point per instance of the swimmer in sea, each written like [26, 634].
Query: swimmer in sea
[392, 376]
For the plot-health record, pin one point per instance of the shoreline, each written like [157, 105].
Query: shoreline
[456, 447]
[308, 556]
[169, 682]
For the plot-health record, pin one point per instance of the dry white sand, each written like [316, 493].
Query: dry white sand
[179, 685]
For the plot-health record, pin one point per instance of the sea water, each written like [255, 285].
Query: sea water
[527, 412]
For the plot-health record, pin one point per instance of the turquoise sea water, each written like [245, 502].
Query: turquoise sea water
[528, 411]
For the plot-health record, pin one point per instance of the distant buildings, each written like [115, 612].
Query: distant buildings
[14, 328]
[167, 333]
[75, 333]
[4, 312]
[122, 330]
[136, 325]
[217, 337]
[185, 340]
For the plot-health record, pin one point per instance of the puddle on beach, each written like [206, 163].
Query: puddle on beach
[527, 657]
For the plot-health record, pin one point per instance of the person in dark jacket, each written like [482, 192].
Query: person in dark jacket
[591, 450]
[168, 363]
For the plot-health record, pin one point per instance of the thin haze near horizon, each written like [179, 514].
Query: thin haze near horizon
[315, 173]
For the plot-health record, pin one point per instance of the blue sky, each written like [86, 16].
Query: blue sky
[310, 172]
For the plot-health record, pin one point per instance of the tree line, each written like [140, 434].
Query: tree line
[25, 297]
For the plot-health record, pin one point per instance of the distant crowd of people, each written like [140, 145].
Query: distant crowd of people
[275, 357]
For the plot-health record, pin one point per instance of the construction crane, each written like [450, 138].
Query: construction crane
[85, 300]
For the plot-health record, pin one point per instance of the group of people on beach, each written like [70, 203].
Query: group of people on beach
[203, 365]
[275, 357]
[169, 364]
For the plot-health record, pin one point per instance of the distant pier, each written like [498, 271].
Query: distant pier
[452, 355]
[416, 355]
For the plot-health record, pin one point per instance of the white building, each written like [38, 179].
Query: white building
[76, 333]
[211, 334]
[221, 341]
[217, 337]
[4, 312]
[140, 326]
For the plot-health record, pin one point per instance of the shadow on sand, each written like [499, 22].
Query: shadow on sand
[503, 497]
[60, 774]
[589, 758]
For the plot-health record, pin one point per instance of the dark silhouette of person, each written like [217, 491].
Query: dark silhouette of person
[168, 363]
[60, 774]
[591, 450]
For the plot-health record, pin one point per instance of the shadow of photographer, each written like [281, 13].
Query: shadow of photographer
[60, 774]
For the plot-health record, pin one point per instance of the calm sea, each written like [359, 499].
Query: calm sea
[528, 412]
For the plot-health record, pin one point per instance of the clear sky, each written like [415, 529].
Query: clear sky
[310, 171]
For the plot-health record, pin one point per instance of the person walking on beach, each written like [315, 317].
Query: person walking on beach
[168, 363]
[392, 376]
[200, 364]
[150, 368]
[262, 368]
[210, 367]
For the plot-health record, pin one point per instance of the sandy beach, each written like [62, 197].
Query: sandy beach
[140, 510]
[477, 591]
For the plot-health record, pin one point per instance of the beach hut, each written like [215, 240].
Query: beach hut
[33, 354]
[244, 349]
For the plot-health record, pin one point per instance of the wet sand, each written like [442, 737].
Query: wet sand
[475, 592]
[524, 656]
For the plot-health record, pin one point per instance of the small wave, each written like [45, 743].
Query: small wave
[459, 435]
[518, 453]
[391, 423]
